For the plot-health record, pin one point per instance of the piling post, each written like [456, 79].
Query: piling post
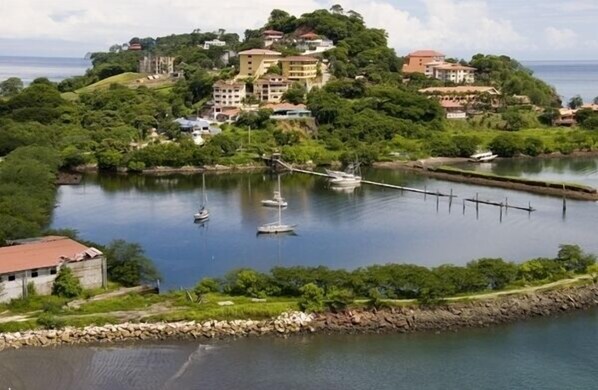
[477, 202]
[506, 205]
[437, 199]
[425, 192]
[463, 206]
[501, 205]
[451, 200]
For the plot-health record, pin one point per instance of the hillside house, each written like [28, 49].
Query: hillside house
[270, 88]
[229, 93]
[300, 68]
[416, 61]
[256, 62]
[467, 96]
[271, 36]
[215, 42]
[455, 73]
[39, 260]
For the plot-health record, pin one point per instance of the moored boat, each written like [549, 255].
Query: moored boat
[483, 157]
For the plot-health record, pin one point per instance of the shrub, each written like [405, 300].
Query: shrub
[205, 286]
[127, 264]
[66, 284]
[506, 145]
[312, 298]
[49, 321]
[533, 146]
[339, 298]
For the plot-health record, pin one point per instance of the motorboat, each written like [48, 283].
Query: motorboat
[483, 157]
[349, 177]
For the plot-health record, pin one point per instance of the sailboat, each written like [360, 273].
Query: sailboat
[276, 227]
[277, 199]
[349, 178]
[203, 213]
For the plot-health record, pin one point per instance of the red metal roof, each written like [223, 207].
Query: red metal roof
[43, 253]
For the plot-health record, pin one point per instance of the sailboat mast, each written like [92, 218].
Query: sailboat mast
[203, 188]
[279, 203]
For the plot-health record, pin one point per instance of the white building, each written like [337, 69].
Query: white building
[229, 93]
[456, 73]
[215, 42]
[271, 36]
[39, 261]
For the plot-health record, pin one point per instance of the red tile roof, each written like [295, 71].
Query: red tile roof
[285, 106]
[426, 53]
[43, 253]
[272, 32]
[310, 35]
[262, 52]
[300, 59]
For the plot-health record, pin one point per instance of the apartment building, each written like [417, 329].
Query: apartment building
[256, 62]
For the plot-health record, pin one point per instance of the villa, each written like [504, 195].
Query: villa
[229, 93]
[270, 88]
[215, 42]
[416, 61]
[300, 68]
[271, 37]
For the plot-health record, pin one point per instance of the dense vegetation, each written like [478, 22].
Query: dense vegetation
[400, 281]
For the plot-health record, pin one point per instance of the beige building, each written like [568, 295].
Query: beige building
[300, 68]
[38, 261]
[229, 93]
[156, 65]
[456, 73]
[270, 88]
[256, 62]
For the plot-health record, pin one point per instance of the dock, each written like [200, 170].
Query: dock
[384, 185]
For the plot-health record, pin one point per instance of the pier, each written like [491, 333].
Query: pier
[277, 160]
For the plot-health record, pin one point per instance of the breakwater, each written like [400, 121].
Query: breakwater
[568, 190]
[456, 315]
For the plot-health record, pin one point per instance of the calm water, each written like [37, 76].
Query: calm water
[569, 77]
[581, 170]
[538, 354]
[29, 68]
[340, 230]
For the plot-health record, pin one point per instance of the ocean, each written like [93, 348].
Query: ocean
[30, 68]
[570, 78]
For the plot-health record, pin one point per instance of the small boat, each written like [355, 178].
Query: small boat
[203, 213]
[276, 227]
[277, 199]
[349, 177]
[483, 157]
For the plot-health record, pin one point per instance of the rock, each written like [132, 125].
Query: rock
[225, 303]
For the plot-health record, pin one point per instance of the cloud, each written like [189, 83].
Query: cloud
[110, 21]
[563, 38]
[453, 26]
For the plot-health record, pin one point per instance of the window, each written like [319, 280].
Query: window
[53, 271]
[11, 278]
[34, 273]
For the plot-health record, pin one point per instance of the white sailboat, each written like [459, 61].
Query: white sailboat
[276, 227]
[277, 199]
[203, 213]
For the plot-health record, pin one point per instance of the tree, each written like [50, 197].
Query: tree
[595, 101]
[312, 298]
[66, 284]
[498, 273]
[575, 102]
[11, 87]
[337, 9]
[506, 145]
[128, 265]
[573, 258]
[295, 94]
[533, 146]
[513, 119]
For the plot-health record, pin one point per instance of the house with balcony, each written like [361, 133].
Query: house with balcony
[416, 61]
[38, 261]
[471, 98]
[455, 73]
[215, 42]
[229, 93]
[312, 43]
[300, 68]
[156, 65]
[256, 62]
[270, 88]
[271, 36]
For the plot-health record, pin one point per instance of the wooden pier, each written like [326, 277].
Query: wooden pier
[277, 160]
[384, 185]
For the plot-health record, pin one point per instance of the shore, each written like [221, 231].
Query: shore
[395, 319]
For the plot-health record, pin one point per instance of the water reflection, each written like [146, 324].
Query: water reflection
[583, 170]
[369, 225]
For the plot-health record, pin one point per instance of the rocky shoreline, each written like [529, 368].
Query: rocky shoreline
[449, 317]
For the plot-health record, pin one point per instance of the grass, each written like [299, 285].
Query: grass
[123, 78]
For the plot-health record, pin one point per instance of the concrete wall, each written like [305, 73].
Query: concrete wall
[91, 274]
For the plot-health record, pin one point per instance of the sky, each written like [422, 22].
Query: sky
[524, 29]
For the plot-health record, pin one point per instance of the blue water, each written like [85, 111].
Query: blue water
[30, 68]
[547, 354]
[570, 78]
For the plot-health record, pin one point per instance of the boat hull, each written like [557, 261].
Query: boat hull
[274, 203]
[275, 229]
